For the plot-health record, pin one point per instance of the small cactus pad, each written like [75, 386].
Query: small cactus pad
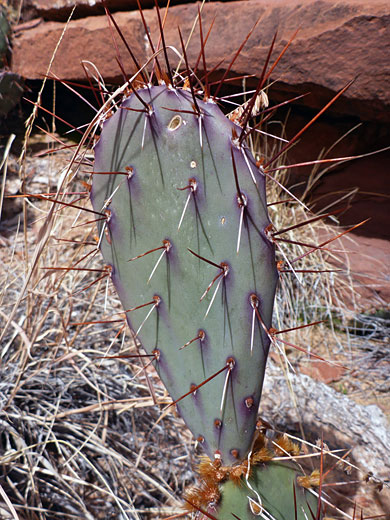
[273, 492]
[184, 233]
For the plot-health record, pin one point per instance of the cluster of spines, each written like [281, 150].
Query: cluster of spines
[207, 494]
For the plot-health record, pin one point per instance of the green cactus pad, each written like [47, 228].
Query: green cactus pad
[186, 243]
[273, 493]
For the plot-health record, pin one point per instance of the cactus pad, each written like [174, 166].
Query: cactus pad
[273, 492]
[183, 231]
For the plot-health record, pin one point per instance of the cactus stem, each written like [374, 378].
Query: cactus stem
[201, 336]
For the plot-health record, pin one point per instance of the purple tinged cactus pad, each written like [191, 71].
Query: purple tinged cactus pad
[184, 236]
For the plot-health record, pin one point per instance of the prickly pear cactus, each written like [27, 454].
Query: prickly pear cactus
[272, 491]
[183, 232]
[266, 484]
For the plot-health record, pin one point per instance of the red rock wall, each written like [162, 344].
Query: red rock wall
[336, 42]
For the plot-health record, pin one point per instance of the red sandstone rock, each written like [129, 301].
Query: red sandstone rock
[367, 286]
[336, 43]
[85, 39]
[322, 370]
[369, 262]
[59, 10]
